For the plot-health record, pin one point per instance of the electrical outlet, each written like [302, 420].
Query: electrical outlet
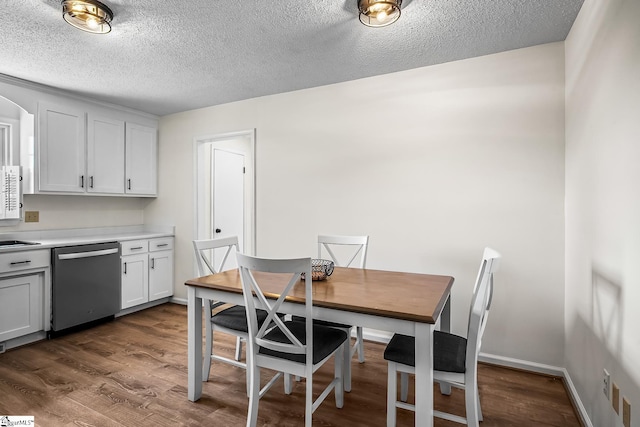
[32, 216]
[626, 412]
[606, 381]
[615, 398]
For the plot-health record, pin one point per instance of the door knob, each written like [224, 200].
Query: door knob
[218, 230]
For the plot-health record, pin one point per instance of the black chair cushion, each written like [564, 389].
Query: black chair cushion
[235, 318]
[449, 351]
[322, 323]
[325, 341]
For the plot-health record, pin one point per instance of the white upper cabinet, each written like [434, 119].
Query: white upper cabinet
[105, 155]
[91, 150]
[61, 159]
[141, 159]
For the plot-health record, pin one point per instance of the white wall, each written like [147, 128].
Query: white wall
[433, 163]
[603, 204]
[58, 212]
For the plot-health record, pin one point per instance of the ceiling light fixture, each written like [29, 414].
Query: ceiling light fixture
[379, 13]
[87, 15]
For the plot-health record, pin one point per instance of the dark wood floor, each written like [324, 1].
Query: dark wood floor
[133, 372]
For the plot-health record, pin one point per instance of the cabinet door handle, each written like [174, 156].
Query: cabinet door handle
[81, 181]
[91, 181]
[20, 262]
[129, 184]
[125, 268]
[153, 263]
[89, 254]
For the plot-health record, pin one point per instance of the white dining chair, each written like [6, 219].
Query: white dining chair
[289, 347]
[345, 251]
[229, 319]
[455, 358]
[354, 257]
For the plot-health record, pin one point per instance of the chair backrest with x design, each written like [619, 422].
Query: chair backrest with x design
[282, 277]
[339, 248]
[207, 251]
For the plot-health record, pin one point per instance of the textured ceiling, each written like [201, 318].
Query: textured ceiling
[167, 56]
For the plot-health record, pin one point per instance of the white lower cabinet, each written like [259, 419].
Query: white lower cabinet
[147, 270]
[25, 293]
[135, 280]
[160, 274]
[21, 306]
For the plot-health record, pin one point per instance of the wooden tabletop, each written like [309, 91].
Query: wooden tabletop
[407, 296]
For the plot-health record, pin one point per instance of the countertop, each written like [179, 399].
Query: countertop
[47, 239]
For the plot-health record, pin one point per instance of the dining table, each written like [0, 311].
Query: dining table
[398, 302]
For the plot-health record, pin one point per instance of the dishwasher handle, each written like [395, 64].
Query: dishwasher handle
[89, 254]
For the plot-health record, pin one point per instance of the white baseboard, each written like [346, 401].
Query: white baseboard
[142, 306]
[23, 340]
[374, 335]
[542, 369]
[181, 301]
[521, 364]
[573, 395]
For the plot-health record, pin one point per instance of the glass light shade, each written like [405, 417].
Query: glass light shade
[87, 15]
[379, 13]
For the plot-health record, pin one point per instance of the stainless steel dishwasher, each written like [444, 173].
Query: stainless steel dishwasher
[85, 284]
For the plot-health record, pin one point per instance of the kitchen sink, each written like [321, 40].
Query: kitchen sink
[13, 243]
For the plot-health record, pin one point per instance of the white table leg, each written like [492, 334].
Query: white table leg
[194, 364]
[424, 374]
[445, 326]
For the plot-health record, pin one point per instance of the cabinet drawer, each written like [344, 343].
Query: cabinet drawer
[24, 260]
[162, 244]
[134, 247]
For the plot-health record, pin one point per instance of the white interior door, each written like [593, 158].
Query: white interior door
[225, 189]
[228, 195]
